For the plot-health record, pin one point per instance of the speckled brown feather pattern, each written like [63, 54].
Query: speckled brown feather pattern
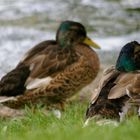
[50, 60]
[58, 69]
[66, 83]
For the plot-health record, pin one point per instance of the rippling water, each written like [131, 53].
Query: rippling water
[23, 24]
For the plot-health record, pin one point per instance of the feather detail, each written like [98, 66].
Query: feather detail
[6, 99]
[124, 81]
[36, 83]
[12, 83]
[108, 74]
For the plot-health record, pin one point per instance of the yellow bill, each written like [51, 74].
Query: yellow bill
[89, 42]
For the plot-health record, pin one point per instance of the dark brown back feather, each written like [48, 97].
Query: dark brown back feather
[12, 83]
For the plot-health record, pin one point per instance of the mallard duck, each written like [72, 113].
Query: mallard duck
[119, 87]
[53, 70]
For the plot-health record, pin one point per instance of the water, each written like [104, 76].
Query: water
[24, 23]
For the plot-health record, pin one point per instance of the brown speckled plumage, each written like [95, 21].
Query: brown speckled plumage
[66, 83]
[70, 67]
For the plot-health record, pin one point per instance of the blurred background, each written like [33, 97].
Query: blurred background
[25, 23]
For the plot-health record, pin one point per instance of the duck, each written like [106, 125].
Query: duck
[52, 71]
[118, 92]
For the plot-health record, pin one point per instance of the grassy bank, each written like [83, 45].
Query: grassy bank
[70, 127]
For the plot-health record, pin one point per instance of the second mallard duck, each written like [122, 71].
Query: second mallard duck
[119, 88]
[54, 70]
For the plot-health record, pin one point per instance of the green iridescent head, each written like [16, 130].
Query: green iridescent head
[71, 33]
[129, 58]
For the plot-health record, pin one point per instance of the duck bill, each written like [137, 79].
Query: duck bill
[91, 43]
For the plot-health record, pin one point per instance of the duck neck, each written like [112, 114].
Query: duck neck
[125, 64]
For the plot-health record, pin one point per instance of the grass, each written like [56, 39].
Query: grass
[38, 126]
